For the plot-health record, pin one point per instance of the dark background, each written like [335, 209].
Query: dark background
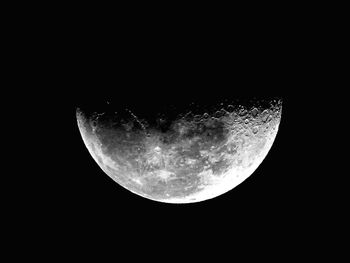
[60, 57]
[77, 195]
[83, 196]
[73, 199]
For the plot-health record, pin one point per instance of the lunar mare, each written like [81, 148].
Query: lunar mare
[203, 156]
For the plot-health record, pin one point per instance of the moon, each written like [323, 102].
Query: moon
[190, 158]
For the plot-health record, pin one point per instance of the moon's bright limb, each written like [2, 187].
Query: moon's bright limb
[192, 168]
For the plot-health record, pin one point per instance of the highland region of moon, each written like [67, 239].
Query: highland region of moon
[197, 157]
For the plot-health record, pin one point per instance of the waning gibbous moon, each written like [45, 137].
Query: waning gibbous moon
[195, 158]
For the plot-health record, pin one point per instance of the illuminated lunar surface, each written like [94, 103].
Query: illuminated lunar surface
[198, 157]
